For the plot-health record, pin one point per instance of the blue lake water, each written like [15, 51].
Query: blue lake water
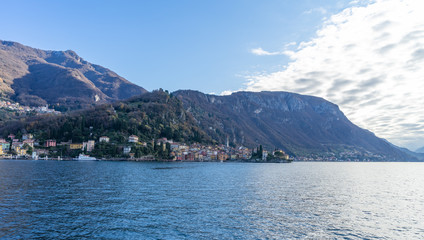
[134, 200]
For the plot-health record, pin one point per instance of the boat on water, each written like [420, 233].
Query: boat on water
[83, 157]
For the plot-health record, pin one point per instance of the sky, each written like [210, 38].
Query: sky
[363, 55]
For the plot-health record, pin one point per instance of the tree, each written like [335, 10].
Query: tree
[261, 151]
[29, 150]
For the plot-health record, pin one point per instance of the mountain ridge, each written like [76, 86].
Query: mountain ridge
[37, 77]
[299, 124]
[305, 127]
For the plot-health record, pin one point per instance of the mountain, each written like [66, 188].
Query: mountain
[149, 116]
[301, 125]
[420, 150]
[36, 77]
[417, 155]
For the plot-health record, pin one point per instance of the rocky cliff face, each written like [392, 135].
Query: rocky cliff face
[36, 77]
[296, 123]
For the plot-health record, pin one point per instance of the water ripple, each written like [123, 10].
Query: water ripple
[133, 200]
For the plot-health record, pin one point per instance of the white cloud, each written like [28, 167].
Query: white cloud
[224, 93]
[261, 52]
[369, 60]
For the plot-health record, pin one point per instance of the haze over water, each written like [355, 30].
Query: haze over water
[132, 200]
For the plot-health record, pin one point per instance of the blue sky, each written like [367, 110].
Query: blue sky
[364, 55]
[202, 45]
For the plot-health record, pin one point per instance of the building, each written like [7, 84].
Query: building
[281, 154]
[222, 156]
[89, 145]
[133, 139]
[104, 139]
[20, 151]
[5, 145]
[1, 151]
[11, 136]
[264, 155]
[76, 146]
[64, 143]
[41, 152]
[163, 140]
[175, 146]
[27, 136]
[29, 142]
[127, 150]
[189, 156]
[16, 146]
[50, 143]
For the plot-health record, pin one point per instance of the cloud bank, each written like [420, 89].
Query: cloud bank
[368, 59]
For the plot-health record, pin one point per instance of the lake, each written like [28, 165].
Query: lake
[138, 200]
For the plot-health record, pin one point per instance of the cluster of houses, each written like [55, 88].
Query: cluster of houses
[27, 146]
[18, 146]
[16, 107]
[198, 152]
[346, 155]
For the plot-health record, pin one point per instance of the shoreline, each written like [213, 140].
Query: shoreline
[141, 160]
[179, 161]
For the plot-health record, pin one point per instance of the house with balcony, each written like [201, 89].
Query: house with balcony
[133, 139]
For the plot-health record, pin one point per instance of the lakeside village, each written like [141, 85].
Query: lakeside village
[26, 147]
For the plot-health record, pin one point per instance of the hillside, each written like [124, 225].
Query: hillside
[37, 77]
[301, 125]
[149, 116]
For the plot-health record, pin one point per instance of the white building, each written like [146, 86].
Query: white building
[264, 155]
[133, 139]
[104, 139]
[127, 150]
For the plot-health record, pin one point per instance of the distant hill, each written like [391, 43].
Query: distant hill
[299, 124]
[420, 150]
[36, 77]
[417, 155]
